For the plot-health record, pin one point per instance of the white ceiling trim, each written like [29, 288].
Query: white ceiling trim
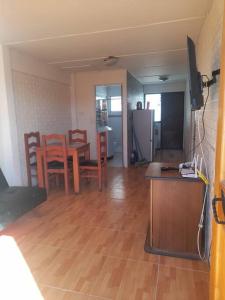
[119, 55]
[104, 31]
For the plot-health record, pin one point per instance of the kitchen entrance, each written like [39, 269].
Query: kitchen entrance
[109, 118]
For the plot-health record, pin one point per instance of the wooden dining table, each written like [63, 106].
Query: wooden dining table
[73, 150]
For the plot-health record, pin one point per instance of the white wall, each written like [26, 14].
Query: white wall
[208, 59]
[9, 156]
[41, 96]
[84, 106]
[165, 87]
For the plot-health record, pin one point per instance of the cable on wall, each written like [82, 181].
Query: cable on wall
[201, 139]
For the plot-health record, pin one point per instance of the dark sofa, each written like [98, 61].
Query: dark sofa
[15, 201]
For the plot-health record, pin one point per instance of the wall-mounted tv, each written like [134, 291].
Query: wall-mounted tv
[195, 79]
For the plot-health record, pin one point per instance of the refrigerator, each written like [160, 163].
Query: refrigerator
[143, 129]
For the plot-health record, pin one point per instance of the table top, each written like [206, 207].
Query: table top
[154, 172]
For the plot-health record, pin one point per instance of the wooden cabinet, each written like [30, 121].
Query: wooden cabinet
[175, 209]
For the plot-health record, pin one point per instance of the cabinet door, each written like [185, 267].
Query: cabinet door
[176, 208]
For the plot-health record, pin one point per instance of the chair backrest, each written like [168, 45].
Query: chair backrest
[54, 149]
[77, 136]
[31, 142]
[102, 146]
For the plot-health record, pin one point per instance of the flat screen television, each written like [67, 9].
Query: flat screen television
[195, 79]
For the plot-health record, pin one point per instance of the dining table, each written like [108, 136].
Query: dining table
[73, 150]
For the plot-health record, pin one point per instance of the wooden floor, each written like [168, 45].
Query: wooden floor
[90, 246]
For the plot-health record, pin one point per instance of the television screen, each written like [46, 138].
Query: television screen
[195, 79]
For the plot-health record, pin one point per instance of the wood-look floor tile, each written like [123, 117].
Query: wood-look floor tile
[91, 246]
[101, 241]
[66, 236]
[138, 282]
[189, 264]
[91, 266]
[64, 269]
[135, 223]
[110, 278]
[50, 293]
[174, 283]
[131, 246]
[56, 294]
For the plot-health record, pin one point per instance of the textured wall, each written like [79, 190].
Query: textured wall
[208, 59]
[41, 105]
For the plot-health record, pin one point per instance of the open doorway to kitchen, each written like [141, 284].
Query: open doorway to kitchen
[109, 118]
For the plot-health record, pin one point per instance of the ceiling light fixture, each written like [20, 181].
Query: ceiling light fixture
[163, 78]
[110, 60]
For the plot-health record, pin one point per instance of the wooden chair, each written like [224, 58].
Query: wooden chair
[97, 168]
[77, 136]
[31, 141]
[55, 158]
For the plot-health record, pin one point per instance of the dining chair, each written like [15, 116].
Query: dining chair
[31, 142]
[77, 136]
[97, 168]
[55, 158]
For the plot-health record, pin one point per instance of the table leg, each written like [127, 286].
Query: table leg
[40, 176]
[76, 173]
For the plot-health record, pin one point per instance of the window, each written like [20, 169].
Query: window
[116, 105]
[154, 101]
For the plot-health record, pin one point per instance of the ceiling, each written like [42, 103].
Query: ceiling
[148, 36]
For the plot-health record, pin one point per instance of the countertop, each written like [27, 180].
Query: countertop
[154, 171]
[104, 128]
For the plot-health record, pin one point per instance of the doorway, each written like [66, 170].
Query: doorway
[172, 120]
[109, 118]
[168, 125]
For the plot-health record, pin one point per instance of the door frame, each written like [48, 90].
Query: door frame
[217, 272]
[122, 110]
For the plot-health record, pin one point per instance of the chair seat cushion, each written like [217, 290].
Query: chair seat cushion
[91, 163]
